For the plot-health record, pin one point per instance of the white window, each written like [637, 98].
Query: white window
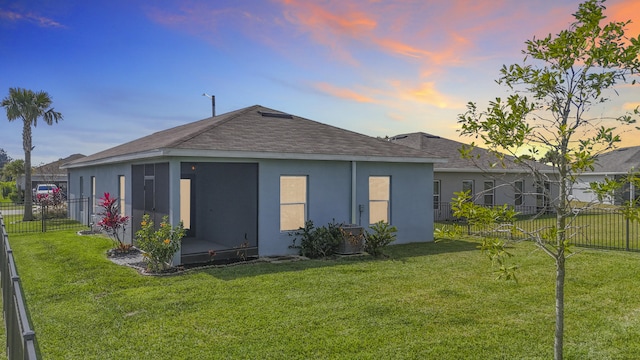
[379, 198]
[519, 192]
[488, 193]
[293, 202]
[436, 194]
[121, 183]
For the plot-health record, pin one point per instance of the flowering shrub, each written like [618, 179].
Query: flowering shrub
[159, 245]
[52, 199]
[111, 221]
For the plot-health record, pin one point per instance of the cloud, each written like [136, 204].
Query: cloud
[425, 93]
[29, 17]
[342, 93]
[623, 11]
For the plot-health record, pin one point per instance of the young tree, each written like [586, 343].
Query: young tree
[29, 106]
[561, 79]
[13, 169]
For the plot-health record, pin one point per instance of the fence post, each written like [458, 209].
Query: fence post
[627, 233]
[43, 215]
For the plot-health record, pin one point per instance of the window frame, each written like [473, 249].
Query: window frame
[437, 194]
[518, 197]
[491, 192]
[94, 203]
[472, 188]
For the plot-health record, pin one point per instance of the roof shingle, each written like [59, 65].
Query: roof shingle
[260, 130]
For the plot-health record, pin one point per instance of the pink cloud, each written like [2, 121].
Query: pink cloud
[30, 17]
[626, 10]
[342, 93]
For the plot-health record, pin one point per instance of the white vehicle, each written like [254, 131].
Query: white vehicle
[45, 189]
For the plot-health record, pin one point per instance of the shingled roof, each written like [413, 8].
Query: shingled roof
[618, 161]
[258, 132]
[482, 160]
[56, 166]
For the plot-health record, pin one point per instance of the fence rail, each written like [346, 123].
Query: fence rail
[21, 339]
[604, 228]
[47, 216]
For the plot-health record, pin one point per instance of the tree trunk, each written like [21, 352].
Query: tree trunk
[28, 197]
[560, 272]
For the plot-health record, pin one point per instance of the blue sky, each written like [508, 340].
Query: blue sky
[119, 70]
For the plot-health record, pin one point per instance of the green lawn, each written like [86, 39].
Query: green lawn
[427, 301]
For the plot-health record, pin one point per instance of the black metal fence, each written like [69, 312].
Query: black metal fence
[596, 227]
[47, 216]
[21, 339]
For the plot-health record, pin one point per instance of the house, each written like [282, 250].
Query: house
[489, 181]
[50, 173]
[252, 176]
[614, 164]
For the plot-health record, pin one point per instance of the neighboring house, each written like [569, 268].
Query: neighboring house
[489, 181]
[254, 175]
[50, 173]
[614, 164]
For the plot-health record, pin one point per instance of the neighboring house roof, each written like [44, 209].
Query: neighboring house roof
[56, 166]
[482, 161]
[258, 132]
[618, 161]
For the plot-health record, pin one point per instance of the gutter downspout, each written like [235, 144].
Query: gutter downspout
[354, 187]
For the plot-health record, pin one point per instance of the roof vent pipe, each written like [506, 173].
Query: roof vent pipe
[213, 103]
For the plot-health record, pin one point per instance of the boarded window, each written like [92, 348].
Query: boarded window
[185, 203]
[121, 188]
[293, 202]
[379, 198]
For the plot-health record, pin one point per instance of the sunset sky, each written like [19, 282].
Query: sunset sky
[119, 70]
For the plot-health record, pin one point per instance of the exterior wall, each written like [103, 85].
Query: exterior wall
[581, 192]
[504, 188]
[106, 181]
[504, 191]
[329, 198]
[411, 198]
[329, 195]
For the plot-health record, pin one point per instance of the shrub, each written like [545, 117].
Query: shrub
[111, 221]
[383, 234]
[317, 242]
[7, 188]
[159, 245]
[53, 199]
[16, 196]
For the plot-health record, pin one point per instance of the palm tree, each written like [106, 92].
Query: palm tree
[29, 106]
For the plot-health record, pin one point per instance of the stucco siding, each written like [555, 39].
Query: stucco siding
[328, 198]
[411, 198]
[106, 180]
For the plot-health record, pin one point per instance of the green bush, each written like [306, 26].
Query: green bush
[383, 234]
[16, 197]
[317, 242]
[7, 188]
[159, 245]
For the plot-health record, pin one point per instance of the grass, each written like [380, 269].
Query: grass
[426, 301]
